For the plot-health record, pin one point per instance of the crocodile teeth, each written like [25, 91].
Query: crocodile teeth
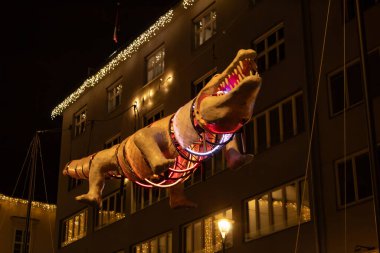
[240, 70]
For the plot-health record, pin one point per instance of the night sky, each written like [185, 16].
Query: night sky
[48, 48]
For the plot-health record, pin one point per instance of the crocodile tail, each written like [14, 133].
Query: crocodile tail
[79, 169]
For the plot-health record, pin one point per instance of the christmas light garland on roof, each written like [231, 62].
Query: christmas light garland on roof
[35, 204]
[121, 57]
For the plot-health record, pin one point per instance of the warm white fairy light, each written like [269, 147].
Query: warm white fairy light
[35, 204]
[187, 3]
[109, 67]
[121, 57]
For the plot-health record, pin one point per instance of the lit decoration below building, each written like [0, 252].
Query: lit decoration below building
[35, 204]
[121, 57]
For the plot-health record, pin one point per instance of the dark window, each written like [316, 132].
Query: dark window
[336, 90]
[346, 182]
[287, 115]
[357, 180]
[373, 72]
[249, 138]
[274, 126]
[261, 133]
[300, 114]
[354, 83]
[363, 176]
[272, 57]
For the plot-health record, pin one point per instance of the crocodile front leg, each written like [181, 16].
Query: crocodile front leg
[153, 144]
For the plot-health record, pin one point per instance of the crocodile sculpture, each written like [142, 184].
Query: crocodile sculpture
[165, 153]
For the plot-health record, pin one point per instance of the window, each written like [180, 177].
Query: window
[113, 209]
[203, 235]
[207, 169]
[143, 197]
[373, 68]
[204, 27]
[353, 179]
[201, 82]
[276, 210]
[270, 48]
[158, 244]
[74, 228]
[276, 124]
[80, 119]
[112, 141]
[353, 86]
[155, 64]
[153, 116]
[18, 241]
[114, 96]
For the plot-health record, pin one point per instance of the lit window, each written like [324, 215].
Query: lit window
[114, 96]
[353, 179]
[155, 64]
[353, 86]
[113, 209]
[143, 197]
[18, 241]
[276, 210]
[270, 48]
[204, 27]
[113, 141]
[74, 228]
[204, 236]
[276, 124]
[80, 119]
[161, 244]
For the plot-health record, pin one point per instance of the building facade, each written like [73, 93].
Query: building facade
[13, 212]
[308, 188]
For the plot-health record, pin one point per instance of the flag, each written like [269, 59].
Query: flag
[116, 28]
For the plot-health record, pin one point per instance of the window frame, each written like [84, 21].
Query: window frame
[271, 222]
[168, 243]
[99, 214]
[80, 121]
[216, 243]
[352, 158]
[114, 94]
[347, 105]
[266, 113]
[64, 231]
[21, 243]
[160, 65]
[267, 49]
[116, 139]
[209, 12]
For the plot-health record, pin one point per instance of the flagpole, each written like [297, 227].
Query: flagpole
[371, 133]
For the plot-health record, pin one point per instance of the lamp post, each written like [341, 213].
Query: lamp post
[224, 227]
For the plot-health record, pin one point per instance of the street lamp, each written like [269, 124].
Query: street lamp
[224, 227]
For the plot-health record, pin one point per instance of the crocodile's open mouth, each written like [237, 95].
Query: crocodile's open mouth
[226, 102]
[243, 68]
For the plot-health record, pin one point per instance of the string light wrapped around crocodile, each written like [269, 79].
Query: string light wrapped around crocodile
[168, 151]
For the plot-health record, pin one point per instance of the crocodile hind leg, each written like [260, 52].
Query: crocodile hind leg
[234, 158]
[178, 199]
[103, 162]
